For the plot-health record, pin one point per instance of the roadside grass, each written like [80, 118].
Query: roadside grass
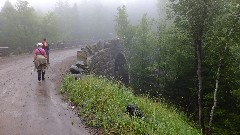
[102, 103]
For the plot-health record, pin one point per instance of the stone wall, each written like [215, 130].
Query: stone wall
[106, 58]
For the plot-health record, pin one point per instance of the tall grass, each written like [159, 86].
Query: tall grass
[102, 103]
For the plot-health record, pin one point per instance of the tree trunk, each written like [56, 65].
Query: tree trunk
[198, 45]
[214, 104]
[215, 94]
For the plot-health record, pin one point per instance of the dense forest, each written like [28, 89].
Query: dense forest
[189, 59]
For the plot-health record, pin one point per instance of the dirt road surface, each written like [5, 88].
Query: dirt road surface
[29, 107]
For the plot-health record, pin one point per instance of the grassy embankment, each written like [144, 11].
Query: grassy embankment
[102, 103]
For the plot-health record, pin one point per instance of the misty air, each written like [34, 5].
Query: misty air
[128, 67]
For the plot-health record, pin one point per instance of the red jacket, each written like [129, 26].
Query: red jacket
[44, 46]
[40, 51]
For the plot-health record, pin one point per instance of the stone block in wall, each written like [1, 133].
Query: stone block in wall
[100, 45]
[116, 42]
[103, 60]
[100, 53]
[80, 64]
[82, 56]
[94, 48]
[88, 62]
[85, 50]
[89, 50]
[107, 45]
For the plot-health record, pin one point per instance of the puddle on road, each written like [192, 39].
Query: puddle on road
[42, 89]
[42, 94]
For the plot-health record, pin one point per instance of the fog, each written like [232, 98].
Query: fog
[92, 19]
[135, 8]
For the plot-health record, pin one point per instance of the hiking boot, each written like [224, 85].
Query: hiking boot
[39, 75]
[43, 73]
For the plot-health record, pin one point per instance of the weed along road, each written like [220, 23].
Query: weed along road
[29, 107]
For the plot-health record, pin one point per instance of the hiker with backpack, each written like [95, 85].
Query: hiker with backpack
[40, 61]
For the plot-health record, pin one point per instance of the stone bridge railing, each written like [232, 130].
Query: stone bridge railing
[106, 58]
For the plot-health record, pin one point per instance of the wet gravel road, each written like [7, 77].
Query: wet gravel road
[29, 107]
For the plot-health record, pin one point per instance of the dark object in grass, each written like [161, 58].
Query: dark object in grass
[75, 70]
[79, 68]
[133, 110]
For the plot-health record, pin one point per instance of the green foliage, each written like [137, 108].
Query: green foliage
[7, 25]
[21, 19]
[49, 27]
[123, 28]
[122, 22]
[22, 27]
[103, 104]
[140, 56]
[219, 42]
[27, 25]
[164, 63]
[175, 63]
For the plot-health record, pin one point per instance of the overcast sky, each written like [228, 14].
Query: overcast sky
[50, 4]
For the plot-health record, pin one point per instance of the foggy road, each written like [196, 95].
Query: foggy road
[29, 107]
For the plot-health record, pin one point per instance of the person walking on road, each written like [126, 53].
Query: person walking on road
[46, 48]
[40, 61]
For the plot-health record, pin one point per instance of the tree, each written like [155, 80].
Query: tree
[20, 20]
[27, 25]
[141, 56]
[220, 42]
[174, 67]
[212, 25]
[122, 22]
[49, 29]
[195, 14]
[125, 31]
[7, 25]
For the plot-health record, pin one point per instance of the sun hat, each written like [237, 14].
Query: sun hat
[39, 44]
